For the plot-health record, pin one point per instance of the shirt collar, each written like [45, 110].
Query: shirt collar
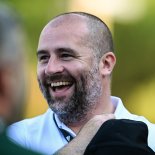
[120, 112]
[61, 125]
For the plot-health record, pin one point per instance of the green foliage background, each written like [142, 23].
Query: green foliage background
[135, 50]
[134, 46]
[35, 14]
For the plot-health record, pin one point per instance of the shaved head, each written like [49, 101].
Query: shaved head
[72, 46]
[99, 37]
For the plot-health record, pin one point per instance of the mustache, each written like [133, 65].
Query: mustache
[58, 77]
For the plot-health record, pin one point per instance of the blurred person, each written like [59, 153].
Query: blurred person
[75, 63]
[12, 80]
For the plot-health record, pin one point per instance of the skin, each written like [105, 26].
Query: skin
[12, 81]
[12, 91]
[56, 60]
[63, 50]
[78, 145]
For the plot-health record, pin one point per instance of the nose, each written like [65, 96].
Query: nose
[53, 66]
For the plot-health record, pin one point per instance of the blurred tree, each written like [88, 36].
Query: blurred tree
[35, 14]
[135, 50]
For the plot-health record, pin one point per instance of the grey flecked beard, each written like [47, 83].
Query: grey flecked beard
[87, 92]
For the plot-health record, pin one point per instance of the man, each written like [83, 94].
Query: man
[75, 63]
[11, 78]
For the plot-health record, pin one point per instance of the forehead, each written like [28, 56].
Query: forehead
[75, 21]
[65, 29]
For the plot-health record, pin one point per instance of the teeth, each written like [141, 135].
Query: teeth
[56, 84]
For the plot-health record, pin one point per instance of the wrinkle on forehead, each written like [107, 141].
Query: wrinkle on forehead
[67, 21]
[70, 23]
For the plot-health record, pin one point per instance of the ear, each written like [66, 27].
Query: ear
[107, 63]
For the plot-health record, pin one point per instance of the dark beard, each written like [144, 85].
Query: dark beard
[87, 91]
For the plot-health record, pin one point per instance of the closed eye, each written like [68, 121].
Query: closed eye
[66, 56]
[43, 58]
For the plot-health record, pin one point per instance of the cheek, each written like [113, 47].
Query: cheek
[78, 70]
[40, 72]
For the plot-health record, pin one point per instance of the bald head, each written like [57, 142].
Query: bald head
[72, 48]
[98, 38]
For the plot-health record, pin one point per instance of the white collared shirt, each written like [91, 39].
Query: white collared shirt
[41, 133]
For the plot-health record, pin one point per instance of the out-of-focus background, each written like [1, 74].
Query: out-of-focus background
[132, 23]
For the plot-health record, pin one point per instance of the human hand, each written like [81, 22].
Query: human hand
[90, 129]
[78, 145]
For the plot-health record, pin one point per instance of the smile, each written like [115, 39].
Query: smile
[61, 85]
[58, 84]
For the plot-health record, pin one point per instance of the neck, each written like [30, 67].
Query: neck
[77, 127]
[99, 109]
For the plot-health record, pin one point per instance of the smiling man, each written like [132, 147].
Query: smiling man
[75, 62]
[68, 72]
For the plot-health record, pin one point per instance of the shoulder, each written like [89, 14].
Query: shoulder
[26, 129]
[151, 129]
[151, 132]
[39, 133]
[33, 122]
[122, 113]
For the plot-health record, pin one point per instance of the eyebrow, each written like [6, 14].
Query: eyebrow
[41, 52]
[67, 50]
[58, 50]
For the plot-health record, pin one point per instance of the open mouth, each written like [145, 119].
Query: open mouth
[62, 85]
